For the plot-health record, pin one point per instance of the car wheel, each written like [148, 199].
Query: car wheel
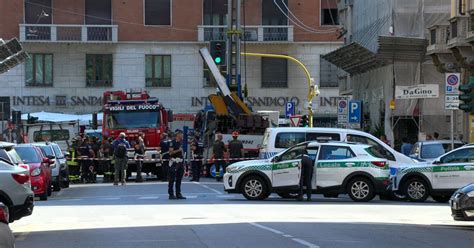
[441, 198]
[288, 195]
[254, 188]
[44, 196]
[57, 186]
[416, 190]
[65, 184]
[361, 189]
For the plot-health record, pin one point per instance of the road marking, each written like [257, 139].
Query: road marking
[303, 242]
[71, 199]
[191, 196]
[110, 199]
[22, 236]
[148, 198]
[225, 196]
[209, 188]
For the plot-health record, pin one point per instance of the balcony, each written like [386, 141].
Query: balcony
[458, 31]
[68, 33]
[438, 37]
[252, 33]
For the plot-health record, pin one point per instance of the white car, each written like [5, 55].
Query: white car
[438, 179]
[15, 190]
[356, 169]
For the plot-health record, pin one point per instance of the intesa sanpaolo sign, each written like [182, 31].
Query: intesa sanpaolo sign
[417, 91]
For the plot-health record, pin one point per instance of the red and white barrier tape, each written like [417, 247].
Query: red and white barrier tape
[162, 160]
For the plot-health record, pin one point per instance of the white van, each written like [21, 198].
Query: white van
[276, 140]
[60, 133]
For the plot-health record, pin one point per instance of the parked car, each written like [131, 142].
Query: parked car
[59, 170]
[425, 151]
[7, 240]
[40, 169]
[8, 152]
[438, 179]
[15, 190]
[462, 203]
[359, 170]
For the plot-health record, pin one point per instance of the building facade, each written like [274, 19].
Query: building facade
[80, 48]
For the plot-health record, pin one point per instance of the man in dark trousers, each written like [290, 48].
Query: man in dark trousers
[218, 148]
[236, 148]
[164, 151]
[176, 166]
[196, 163]
[306, 176]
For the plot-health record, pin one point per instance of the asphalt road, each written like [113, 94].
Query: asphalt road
[140, 215]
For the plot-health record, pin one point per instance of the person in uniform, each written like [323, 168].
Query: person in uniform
[236, 148]
[218, 148]
[73, 165]
[176, 166]
[164, 151]
[196, 163]
[306, 176]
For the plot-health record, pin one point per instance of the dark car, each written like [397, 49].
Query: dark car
[462, 203]
[6, 236]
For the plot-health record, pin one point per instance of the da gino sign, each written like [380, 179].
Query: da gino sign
[417, 91]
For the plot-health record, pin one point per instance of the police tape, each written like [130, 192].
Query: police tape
[163, 160]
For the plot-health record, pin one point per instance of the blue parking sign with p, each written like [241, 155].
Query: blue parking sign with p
[355, 111]
[290, 109]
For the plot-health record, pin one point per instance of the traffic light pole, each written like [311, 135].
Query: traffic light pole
[233, 39]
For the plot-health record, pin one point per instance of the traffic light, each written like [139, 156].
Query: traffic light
[218, 52]
[467, 96]
[304, 121]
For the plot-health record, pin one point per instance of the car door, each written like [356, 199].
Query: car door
[454, 170]
[286, 168]
[334, 164]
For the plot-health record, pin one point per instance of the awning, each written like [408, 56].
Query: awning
[59, 117]
[356, 59]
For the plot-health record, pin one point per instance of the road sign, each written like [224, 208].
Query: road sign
[451, 102]
[452, 81]
[355, 113]
[290, 109]
[342, 110]
[295, 120]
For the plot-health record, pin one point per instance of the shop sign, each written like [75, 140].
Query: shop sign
[59, 100]
[417, 91]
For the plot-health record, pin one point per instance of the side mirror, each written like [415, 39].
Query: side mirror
[437, 162]
[51, 157]
[275, 159]
[46, 160]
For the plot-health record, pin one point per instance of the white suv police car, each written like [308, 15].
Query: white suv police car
[438, 179]
[351, 168]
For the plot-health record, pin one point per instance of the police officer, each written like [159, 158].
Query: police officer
[196, 163]
[236, 148]
[164, 151]
[306, 176]
[176, 166]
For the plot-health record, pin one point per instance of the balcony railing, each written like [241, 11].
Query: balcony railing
[252, 33]
[68, 33]
[458, 30]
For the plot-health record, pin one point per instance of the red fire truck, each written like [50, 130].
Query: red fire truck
[134, 112]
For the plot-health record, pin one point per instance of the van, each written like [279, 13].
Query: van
[60, 133]
[276, 140]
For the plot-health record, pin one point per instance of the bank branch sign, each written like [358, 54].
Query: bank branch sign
[417, 91]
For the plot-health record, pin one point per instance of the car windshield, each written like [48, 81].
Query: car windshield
[28, 154]
[48, 151]
[130, 120]
[58, 152]
[432, 150]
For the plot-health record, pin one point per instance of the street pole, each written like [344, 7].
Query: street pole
[233, 39]
[452, 129]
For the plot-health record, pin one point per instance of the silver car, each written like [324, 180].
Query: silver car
[59, 170]
[427, 151]
[7, 240]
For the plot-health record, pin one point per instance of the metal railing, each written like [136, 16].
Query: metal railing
[68, 33]
[252, 33]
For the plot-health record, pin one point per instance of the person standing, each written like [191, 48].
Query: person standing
[218, 148]
[107, 150]
[236, 148]
[139, 156]
[121, 160]
[164, 152]
[406, 147]
[306, 176]
[196, 163]
[176, 166]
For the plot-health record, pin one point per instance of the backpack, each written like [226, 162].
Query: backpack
[121, 151]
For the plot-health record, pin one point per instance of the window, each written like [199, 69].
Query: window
[39, 70]
[459, 156]
[327, 136]
[28, 154]
[368, 141]
[329, 14]
[293, 153]
[215, 12]
[335, 153]
[99, 70]
[38, 12]
[209, 80]
[272, 15]
[432, 36]
[4, 155]
[50, 135]
[98, 12]
[57, 151]
[157, 12]
[274, 73]
[454, 29]
[158, 70]
[328, 73]
[286, 140]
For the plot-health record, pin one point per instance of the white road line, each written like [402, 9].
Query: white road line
[148, 198]
[22, 236]
[303, 242]
[225, 196]
[72, 199]
[191, 196]
[110, 199]
[209, 188]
